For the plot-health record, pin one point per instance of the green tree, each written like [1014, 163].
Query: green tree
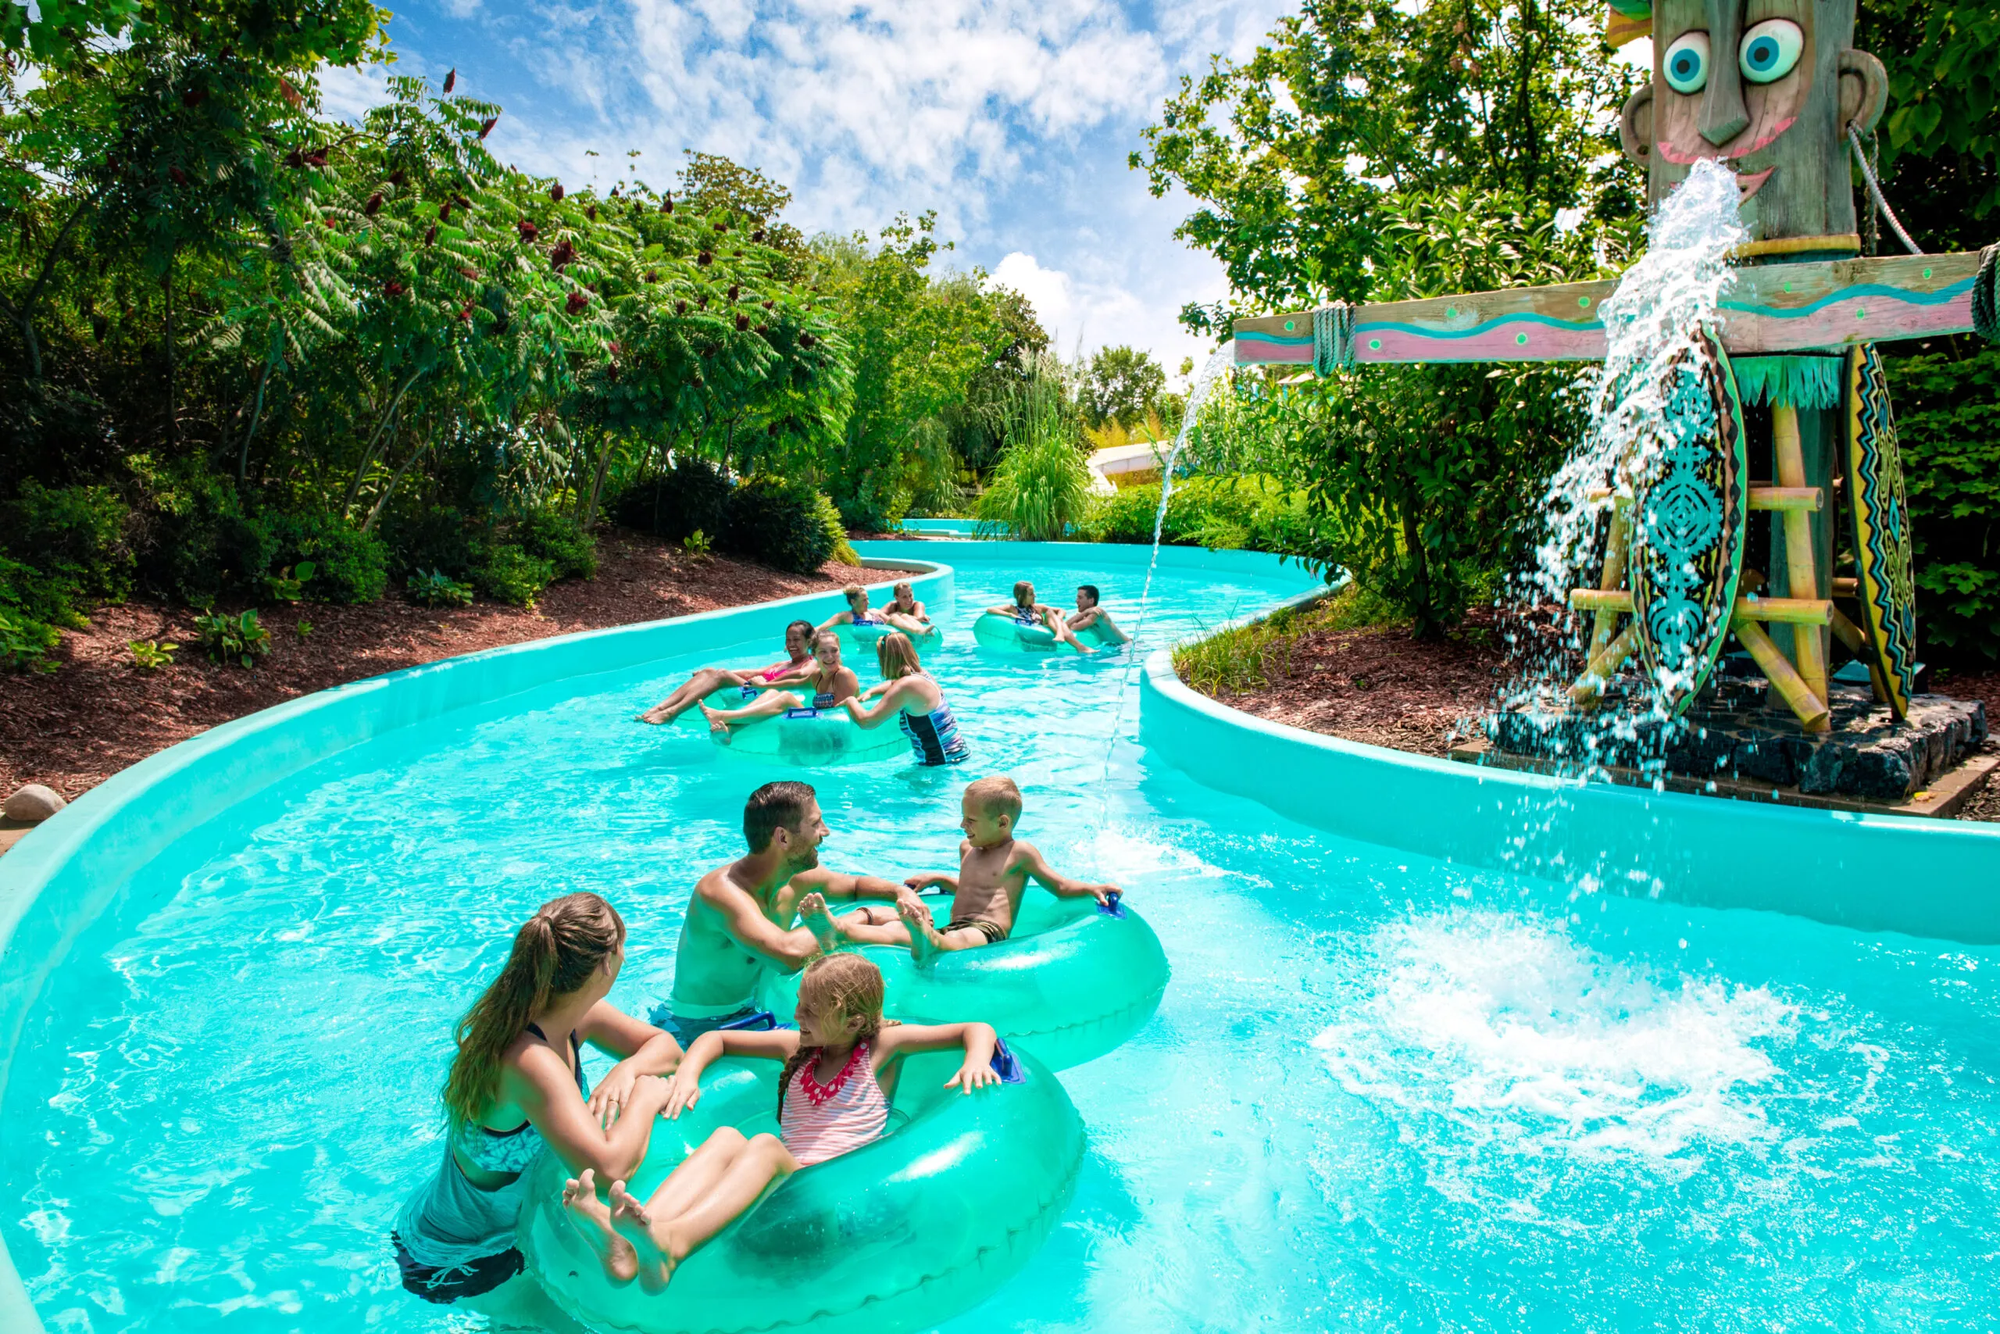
[1122, 384]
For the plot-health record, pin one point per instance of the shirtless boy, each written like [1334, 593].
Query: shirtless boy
[1089, 616]
[993, 873]
[743, 917]
[1031, 613]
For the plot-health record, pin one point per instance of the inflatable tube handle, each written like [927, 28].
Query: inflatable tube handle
[802, 713]
[1112, 907]
[761, 1022]
[1006, 1064]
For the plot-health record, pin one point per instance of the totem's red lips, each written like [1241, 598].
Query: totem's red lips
[1732, 150]
[1749, 183]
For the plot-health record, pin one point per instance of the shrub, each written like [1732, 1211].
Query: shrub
[428, 588]
[1221, 513]
[75, 535]
[30, 595]
[508, 574]
[348, 565]
[784, 524]
[547, 535]
[1948, 423]
[430, 539]
[1042, 487]
[25, 644]
[697, 546]
[233, 639]
[289, 583]
[690, 497]
[203, 545]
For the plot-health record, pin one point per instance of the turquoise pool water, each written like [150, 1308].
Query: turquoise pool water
[1381, 1093]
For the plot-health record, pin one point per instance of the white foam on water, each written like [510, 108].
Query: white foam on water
[1494, 1032]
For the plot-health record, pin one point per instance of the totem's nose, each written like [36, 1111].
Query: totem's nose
[1722, 114]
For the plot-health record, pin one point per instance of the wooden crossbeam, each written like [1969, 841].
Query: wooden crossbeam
[1810, 306]
[1783, 611]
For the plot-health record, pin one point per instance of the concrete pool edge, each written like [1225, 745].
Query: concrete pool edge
[59, 878]
[1865, 872]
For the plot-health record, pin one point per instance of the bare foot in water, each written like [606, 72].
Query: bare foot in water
[925, 942]
[812, 911]
[592, 1220]
[635, 1225]
[716, 726]
[658, 714]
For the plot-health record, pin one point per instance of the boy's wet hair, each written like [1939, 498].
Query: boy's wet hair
[775, 806]
[995, 795]
[1090, 590]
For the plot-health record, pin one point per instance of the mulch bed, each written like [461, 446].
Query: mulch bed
[1381, 687]
[75, 727]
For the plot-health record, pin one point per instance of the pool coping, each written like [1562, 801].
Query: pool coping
[84, 841]
[1927, 878]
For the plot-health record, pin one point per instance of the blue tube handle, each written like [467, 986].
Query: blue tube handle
[1113, 907]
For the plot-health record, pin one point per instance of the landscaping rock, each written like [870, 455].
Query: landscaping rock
[33, 804]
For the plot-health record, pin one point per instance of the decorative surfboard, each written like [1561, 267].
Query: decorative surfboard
[1881, 517]
[1687, 539]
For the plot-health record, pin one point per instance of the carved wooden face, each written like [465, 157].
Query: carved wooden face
[1769, 87]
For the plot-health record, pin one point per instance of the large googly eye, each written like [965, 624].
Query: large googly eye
[1686, 63]
[1770, 50]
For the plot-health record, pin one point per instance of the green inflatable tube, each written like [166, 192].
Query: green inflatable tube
[909, 1231]
[1072, 981]
[1004, 632]
[804, 736]
[868, 636]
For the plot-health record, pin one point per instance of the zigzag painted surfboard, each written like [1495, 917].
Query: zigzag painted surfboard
[1687, 538]
[1880, 514]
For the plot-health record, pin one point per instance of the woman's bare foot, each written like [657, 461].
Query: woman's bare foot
[592, 1219]
[812, 911]
[925, 942]
[658, 714]
[716, 725]
[655, 1262]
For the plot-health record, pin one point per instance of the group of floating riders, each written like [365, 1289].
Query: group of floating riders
[517, 1085]
[813, 679]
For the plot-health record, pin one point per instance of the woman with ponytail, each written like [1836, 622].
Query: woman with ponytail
[516, 1086]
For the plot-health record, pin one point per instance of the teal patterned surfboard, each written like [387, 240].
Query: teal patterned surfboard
[1879, 510]
[1687, 533]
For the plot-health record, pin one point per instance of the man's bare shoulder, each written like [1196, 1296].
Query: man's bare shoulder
[719, 886]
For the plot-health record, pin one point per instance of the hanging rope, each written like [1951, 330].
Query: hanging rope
[1875, 191]
[1985, 321]
[1333, 338]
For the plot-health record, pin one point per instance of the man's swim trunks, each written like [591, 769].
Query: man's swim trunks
[993, 931]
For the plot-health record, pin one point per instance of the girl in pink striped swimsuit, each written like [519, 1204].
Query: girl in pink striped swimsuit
[840, 1071]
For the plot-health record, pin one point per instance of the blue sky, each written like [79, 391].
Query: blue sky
[1011, 118]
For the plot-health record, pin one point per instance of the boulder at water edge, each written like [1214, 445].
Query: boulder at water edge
[33, 804]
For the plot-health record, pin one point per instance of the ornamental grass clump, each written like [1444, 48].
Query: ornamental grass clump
[1041, 488]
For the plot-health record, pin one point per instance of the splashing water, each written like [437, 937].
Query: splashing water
[1218, 362]
[1639, 405]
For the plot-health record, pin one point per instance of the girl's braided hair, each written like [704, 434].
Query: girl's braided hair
[836, 984]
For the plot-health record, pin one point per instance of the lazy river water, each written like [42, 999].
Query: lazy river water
[1381, 1092]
